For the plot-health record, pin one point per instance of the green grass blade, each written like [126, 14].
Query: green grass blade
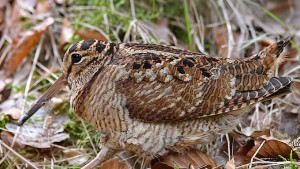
[187, 24]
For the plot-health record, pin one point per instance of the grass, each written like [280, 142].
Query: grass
[187, 24]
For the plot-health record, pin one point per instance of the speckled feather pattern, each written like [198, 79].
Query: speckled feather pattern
[149, 99]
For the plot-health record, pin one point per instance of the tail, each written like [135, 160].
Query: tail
[274, 88]
[257, 83]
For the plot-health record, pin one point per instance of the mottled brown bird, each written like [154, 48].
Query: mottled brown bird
[151, 99]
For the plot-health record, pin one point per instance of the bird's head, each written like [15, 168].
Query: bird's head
[84, 58]
[80, 63]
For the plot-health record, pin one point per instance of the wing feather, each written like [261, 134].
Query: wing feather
[173, 86]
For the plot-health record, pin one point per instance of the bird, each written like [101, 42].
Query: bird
[149, 99]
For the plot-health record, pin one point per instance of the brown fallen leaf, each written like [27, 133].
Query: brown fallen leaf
[161, 165]
[192, 159]
[250, 132]
[239, 156]
[271, 149]
[259, 133]
[114, 163]
[8, 138]
[21, 46]
[91, 34]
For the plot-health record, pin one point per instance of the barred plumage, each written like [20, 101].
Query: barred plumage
[150, 99]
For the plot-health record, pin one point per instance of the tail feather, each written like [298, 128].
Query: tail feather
[246, 98]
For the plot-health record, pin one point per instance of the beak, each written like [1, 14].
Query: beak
[52, 91]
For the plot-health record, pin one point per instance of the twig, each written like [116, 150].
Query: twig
[89, 137]
[37, 53]
[229, 29]
[240, 21]
[269, 164]
[54, 47]
[250, 165]
[4, 53]
[71, 158]
[291, 70]
[228, 147]
[17, 154]
[132, 9]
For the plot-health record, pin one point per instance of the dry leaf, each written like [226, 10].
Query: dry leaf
[114, 163]
[193, 158]
[43, 132]
[8, 138]
[271, 149]
[161, 165]
[91, 34]
[239, 156]
[13, 113]
[76, 156]
[21, 46]
[66, 33]
[259, 133]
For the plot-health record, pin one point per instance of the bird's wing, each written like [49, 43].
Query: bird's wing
[166, 84]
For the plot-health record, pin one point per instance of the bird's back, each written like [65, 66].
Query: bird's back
[167, 84]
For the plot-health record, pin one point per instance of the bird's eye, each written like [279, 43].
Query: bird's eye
[77, 58]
